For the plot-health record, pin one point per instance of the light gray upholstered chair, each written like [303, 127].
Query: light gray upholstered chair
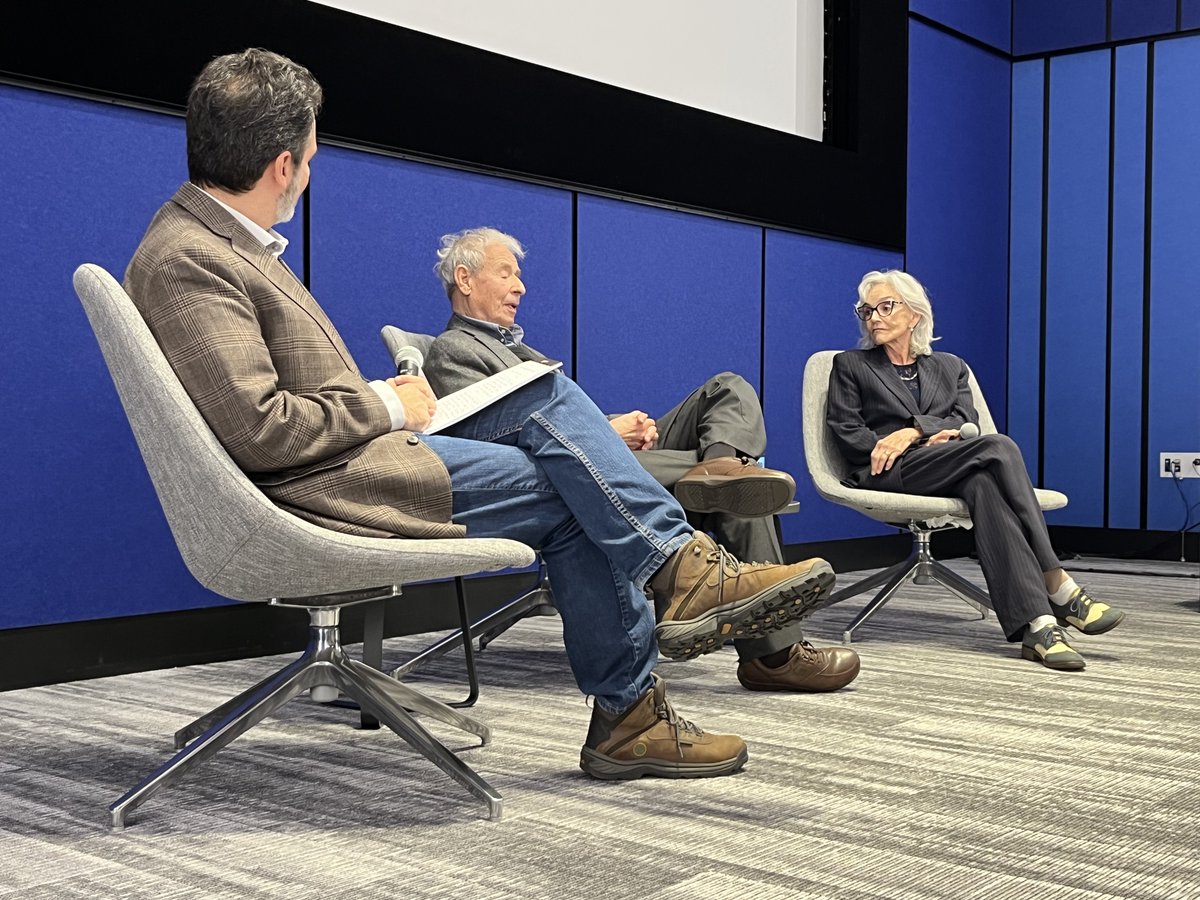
[240, 545]
[537, 601]
[919, 514]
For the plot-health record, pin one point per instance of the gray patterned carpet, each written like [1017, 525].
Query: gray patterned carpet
[950, 769]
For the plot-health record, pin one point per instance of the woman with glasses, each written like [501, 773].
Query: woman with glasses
[896, 409]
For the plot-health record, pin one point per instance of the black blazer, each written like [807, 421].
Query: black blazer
[868, 401]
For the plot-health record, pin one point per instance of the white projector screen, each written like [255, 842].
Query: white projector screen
[760, 62]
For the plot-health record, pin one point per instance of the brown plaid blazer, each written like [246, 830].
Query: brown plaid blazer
[274, 380]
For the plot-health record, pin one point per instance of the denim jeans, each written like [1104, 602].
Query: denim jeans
[555, 475]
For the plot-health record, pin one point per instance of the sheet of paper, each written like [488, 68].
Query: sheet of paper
[471, 399]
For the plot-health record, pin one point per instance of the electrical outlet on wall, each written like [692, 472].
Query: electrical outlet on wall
[1179, 465]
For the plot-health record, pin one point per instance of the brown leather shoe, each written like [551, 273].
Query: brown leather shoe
[708, 596]
[649, 738]
[807, 669]
[733, 485]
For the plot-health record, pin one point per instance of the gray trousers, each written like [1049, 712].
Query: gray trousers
[1011, 539]
[723, 410]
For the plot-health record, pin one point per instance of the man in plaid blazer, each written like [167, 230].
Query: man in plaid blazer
[276, 383]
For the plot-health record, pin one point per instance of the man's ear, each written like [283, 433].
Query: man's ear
[281, 169]
[462, 280]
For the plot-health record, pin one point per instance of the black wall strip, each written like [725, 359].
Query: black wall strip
[1108, 369]
[401, 91]
[1041, 453]
[1147, 244]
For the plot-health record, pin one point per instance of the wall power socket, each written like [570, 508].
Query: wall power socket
[1182, 465]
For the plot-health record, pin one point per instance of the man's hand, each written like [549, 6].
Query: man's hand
[891, 448]
[636, 429]
[418, 399]
[942, 437]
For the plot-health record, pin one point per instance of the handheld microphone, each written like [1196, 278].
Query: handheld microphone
[967, 431]
[408, 360]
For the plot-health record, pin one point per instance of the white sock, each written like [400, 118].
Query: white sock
[1041, 622]
[1063, 595]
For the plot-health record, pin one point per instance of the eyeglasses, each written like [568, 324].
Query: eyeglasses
[884, 307]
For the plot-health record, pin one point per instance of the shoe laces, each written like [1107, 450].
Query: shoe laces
[666, 712]
[1080, 602]
[807, 650]
[1053, 635]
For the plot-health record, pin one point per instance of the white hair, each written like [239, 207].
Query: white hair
[469, 248]
[909, 290]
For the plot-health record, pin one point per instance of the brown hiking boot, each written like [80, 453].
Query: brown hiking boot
[649, 738]
[736, 486]
[708, 596]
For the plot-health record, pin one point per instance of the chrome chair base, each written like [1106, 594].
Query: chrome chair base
[323, 664]
[921, 568]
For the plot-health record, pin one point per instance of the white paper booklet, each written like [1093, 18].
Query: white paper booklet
[474, 397]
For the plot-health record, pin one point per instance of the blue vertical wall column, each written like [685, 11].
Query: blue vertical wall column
[1174, 381]
[1077, 285]
[957, 217]
[666, 300]
[810, 296]
[1127, 300]
[1025, 262]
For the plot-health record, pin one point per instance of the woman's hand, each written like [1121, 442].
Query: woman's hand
[942, 437]
[891, 448]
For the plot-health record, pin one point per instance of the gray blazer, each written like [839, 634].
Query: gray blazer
[868, 401]
[465, 353]
[274, 380]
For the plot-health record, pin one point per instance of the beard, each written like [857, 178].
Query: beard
[286, 207]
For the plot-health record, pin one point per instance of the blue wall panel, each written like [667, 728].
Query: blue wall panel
[1025, 261]
[1077, 284]
[957, 223]
[1039, 26]
[989, 21]
[655, 284]
[1139, 18]
[1128, 268]
[810, 297]
[376, 224]
[1174, 389]
[1190, 14]
[83, 535]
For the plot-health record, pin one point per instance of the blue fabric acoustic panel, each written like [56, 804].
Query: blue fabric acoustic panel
[1076, 350]
[989, 21]
[376, 225]
[1126, 326]
[666, 300]
[1141, 18]
[83, 535]
[1025, 261]
[1041, 27]
[1174, 389]
[810, 297]
[1190, 14]
[958, 166]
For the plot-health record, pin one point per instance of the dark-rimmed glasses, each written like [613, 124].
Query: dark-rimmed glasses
[884, 307]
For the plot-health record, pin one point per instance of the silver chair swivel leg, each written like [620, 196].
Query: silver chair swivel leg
[921, 568]
[323, 664]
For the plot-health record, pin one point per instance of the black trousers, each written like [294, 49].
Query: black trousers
[723, 410]
[1014, 548]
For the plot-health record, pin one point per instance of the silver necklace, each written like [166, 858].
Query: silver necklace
[906, 372]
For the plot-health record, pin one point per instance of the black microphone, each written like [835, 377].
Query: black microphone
[408, 360]
[968, 430]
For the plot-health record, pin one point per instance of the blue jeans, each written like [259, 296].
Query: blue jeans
[556, 476]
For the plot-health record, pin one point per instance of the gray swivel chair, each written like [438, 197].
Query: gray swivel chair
[240, 545]
[919, 514]
[537, 601]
